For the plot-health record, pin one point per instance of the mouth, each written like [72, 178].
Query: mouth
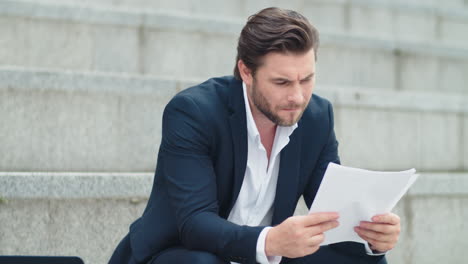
[291, 109]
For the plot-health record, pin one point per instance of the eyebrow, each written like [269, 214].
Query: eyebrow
[309, 76]
[281, 79]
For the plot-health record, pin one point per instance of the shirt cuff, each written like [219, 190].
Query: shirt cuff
[369, 251]
[262, 258]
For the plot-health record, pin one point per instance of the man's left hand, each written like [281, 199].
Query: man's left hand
[382, 233]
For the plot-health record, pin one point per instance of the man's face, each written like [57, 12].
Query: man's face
[282, 86]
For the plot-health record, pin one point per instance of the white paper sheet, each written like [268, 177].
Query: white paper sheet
[357, 195]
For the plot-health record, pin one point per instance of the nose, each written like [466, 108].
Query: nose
[295, 94]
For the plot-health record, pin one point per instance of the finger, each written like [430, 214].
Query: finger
[389, 218]
[322, 227]
[316, 240]
[377, 236]
[312, 250]
[378, 245]
[317, 218]
[381, 228]
[375, 250]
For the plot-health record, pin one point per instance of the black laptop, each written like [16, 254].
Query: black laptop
[39, 260]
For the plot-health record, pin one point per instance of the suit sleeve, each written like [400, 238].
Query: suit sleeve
[191, 182]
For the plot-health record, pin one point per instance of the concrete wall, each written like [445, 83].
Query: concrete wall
[108, 40]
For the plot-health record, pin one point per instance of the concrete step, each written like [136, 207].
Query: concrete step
[418, 20]
[66, 121]
[86, 214]
[69, 214]
[187, 46]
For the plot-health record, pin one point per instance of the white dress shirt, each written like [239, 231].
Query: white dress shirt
[254, 205]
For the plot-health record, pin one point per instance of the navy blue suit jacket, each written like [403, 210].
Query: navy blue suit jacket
[200, 169]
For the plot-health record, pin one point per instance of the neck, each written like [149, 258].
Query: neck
[265, 127]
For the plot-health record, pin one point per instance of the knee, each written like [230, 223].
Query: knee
[200, 257]
[183, 255]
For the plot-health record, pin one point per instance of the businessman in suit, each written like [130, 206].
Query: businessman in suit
[236, 155]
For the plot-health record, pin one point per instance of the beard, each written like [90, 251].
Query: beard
[262, 104]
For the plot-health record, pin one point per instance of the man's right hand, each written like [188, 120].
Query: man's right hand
[299, 236]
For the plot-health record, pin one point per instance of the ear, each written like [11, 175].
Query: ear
[245, 73]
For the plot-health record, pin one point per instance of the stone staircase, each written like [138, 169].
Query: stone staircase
[83, 85]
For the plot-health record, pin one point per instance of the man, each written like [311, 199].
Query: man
[236, 155]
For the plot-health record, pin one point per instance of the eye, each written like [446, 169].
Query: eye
[282, 83]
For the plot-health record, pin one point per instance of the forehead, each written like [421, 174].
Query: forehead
[288, 65]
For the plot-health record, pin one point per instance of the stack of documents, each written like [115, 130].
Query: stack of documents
[357, 195]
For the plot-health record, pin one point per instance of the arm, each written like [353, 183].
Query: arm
[191, 183]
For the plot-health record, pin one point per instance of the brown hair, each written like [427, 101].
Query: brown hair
[274, 30]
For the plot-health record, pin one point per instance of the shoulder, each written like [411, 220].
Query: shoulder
[193, 117]
[211, 95]
[317, 119]
[319, 110]
[204, 103]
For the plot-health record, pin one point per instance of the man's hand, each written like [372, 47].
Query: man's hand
[299, 236]
[382, 233]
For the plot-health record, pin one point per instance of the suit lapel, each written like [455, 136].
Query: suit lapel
[238, 124]
[288, 179]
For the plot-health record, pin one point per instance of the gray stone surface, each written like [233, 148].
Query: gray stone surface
[339, 64]
[188, 54]
[378, 139]
[438, 229]
[447, 72]
[369, 20]
[453, 31]
[411, 69]
[440, 184]
[326, 15]
[176, 45]
[414, 27]
[60, 185]
[69, 46]
[414, 101]
[451, 74]
[450, 8]
[87, 214]
[67, 122]
[464, 153]
[116, 49]
[391, 139]
[12, 41]
[89, 228]
[440, 142]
